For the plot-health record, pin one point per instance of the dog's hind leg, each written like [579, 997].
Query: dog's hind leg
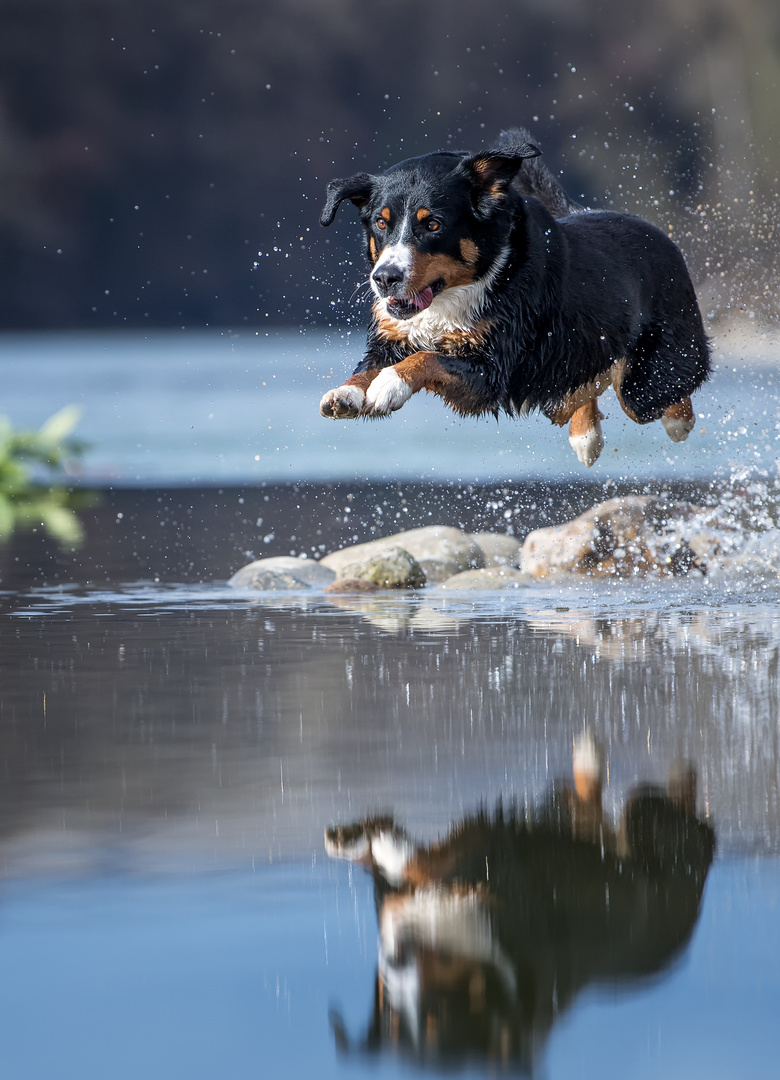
[585, 436]
[678, 420]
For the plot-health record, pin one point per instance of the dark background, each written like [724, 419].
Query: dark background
[150, 149]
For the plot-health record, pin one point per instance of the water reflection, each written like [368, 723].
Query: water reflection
[487, 937]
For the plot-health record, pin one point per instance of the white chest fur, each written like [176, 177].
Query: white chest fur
[455, 309]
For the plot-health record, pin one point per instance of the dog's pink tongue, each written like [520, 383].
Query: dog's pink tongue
[423, 299]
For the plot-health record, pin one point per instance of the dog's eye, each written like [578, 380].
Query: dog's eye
[432, 225]
[381, 223]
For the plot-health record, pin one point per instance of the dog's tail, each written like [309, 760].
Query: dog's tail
[535, 178]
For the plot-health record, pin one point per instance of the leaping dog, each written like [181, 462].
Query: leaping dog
[495, 291]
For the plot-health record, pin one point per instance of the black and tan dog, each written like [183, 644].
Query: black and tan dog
[494, 291]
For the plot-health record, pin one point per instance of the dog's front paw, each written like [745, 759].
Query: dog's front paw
[386, 394]
[344, 403]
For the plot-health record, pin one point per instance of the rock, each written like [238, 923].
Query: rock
[498, 548]
[269, 580]
[440, 550]
[621, 537]
[302, 573]
[346, 586]
[494, 577]
[387, 568]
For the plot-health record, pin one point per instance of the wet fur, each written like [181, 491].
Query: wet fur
[544, 304]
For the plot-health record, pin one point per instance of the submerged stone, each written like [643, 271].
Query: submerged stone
[441, 551]
[387, 568]
[345, 586]
[493, 577]
[298, 573]
[622, 537]
[270, 581]
[498, 548]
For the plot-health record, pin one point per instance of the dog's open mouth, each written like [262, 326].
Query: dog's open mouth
[417, 302]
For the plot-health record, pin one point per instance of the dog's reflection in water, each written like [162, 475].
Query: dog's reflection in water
[486, 937]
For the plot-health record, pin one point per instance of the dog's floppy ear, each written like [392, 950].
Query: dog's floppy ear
[357, 189]
[492, 171]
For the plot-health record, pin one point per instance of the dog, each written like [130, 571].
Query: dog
[495, 291]
[488, 936]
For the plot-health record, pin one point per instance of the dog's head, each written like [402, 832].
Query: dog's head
[432, 223]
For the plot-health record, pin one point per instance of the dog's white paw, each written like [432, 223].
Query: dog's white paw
[344, 403]
[589, 445]
[678, 429]
[387, 393]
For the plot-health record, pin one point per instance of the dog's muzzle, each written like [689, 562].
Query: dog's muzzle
[389, 280]
[389, 283]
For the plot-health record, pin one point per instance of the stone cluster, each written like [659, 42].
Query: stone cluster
[637, 535]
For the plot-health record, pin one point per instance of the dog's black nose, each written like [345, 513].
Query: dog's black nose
[387, 276]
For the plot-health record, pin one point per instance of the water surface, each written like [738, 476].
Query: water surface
[172, 752]
[237, 407]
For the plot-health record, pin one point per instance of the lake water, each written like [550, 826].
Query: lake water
[172, 752]
[236, 408]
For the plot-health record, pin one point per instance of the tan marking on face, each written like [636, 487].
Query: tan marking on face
[385, 213]
[372, 248]
[426, 269]
[423, 213]
[469, 251]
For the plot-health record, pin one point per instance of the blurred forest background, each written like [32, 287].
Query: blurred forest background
[163, 162]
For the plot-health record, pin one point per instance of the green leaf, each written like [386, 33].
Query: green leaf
[25, 503]
[14, 478]
[57, 427]
[62, 523]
